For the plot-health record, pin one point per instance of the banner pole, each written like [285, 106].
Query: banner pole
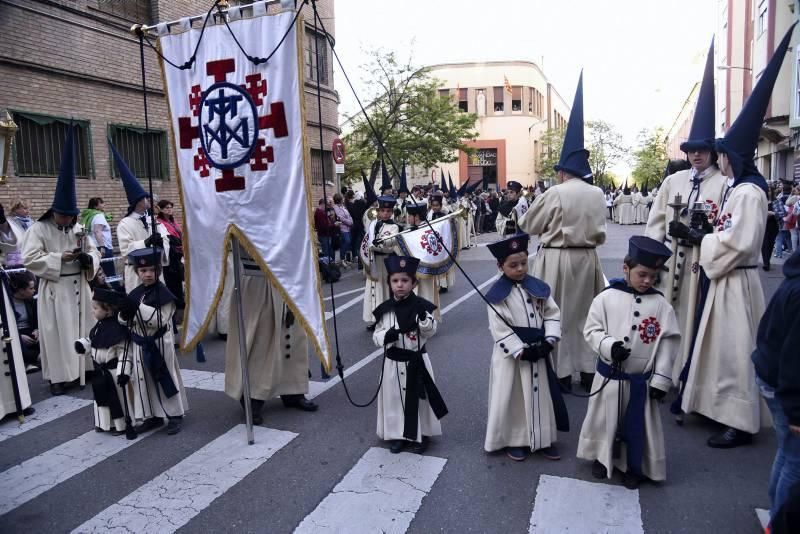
[237, 291]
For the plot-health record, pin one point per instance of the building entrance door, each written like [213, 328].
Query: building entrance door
[483, 166]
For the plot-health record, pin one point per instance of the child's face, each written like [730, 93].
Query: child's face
[515, 266]
[414, 220]
[402, 284]
[99, 311]
[385, 214]
[100, 277]
[640, 278]
[147, 275]
[436, 206]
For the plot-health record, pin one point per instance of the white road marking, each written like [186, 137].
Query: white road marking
[763, 517]
[47, 410]
[207, 380]
[343, 307]
[381, 493]
[325, 386]
[33, 477]
[570, 505]
[173, 498]
[344, 294]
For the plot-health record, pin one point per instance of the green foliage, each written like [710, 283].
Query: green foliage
[650, 158]
[606, 149]
[552, 140]
[413, 122]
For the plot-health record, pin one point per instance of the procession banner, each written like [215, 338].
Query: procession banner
[424, 244]
[242, 162]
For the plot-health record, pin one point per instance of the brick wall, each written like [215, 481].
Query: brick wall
[68, 59]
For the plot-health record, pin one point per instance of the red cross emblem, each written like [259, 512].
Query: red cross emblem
[649, 330]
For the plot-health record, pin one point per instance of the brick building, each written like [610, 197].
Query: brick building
[63, 59]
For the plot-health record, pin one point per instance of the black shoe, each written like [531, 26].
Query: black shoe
[371, 327]
[631, 480]
[566, 384]
[442, 290]
[98, 429]
[174, 425]
[115, 432]
[551, 453]
[397, 446]
[599, 471]
[586, 381]
[300, 402]
[57, 389]
[729, 439]
[765, 267]
[28, 411]
[148, 424]
[420, 447]
[518, 454]
[223, 337]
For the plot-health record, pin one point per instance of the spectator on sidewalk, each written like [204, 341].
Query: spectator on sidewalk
[326, 227]
[95, 222]
[173, 273]
[20, 220]
[345, 227]
[23, 288]
[356, 206]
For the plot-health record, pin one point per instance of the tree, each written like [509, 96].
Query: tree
[650, 158]
[413, 122]
[552, 140]
[606, 149]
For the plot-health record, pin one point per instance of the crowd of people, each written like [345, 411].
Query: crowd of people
[689, 313]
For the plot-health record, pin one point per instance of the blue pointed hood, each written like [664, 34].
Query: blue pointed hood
[369, 193]
[453, 192]
[574, 156]
[701, 135]
[741, 139]
[133, 189]
[65, 200]
[403, 180]
[443, 185]
[386, 180]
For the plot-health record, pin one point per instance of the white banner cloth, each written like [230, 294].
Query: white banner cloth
[424, 245]
[238, 136]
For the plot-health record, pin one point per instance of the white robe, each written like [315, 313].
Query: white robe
[376, 287]
[392, 396]
[277, 346]
[711, 191]
[146, 398]
[570, 220]
[131, 235]
[624, 209]
[102, 414]
[9, 242]
[64, 302]
[654, 338]
[721, 384]
[520, 407]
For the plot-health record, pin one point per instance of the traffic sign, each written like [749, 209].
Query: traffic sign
[338, 151]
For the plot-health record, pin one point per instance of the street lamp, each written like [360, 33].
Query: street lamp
[7, 131]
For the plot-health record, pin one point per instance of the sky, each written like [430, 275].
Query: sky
[640, 57]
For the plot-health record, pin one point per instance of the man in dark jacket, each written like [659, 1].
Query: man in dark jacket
[777, 363]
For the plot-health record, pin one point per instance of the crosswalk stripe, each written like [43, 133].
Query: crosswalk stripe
[339, 309]
[570, 505]
[381, 493]
[344, 294]
[47, 410]
[173, 498]
[212, 381]
[207, 380]
[31, 478]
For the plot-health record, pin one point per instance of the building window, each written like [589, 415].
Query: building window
[444, 93]
[498, 100]
[797, 84]
[311, 57]
[134, 145]
[762, 17]
[462, 100]
[318, 159]
[516, 98]
[131, 10]
[39, 142]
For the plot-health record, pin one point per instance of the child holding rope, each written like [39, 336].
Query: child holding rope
[106, 345]
[525, 403]
[622, 427]
[152, 366]
[409, 404]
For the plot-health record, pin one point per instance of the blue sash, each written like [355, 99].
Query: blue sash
[633, 422]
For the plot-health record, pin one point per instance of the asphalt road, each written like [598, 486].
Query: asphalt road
[328, 471]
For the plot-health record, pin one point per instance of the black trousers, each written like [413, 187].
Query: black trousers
[770, 234]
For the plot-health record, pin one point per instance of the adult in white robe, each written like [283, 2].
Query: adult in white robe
[64, 298]
[570, 220]
[624, 206]
[133, 233]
